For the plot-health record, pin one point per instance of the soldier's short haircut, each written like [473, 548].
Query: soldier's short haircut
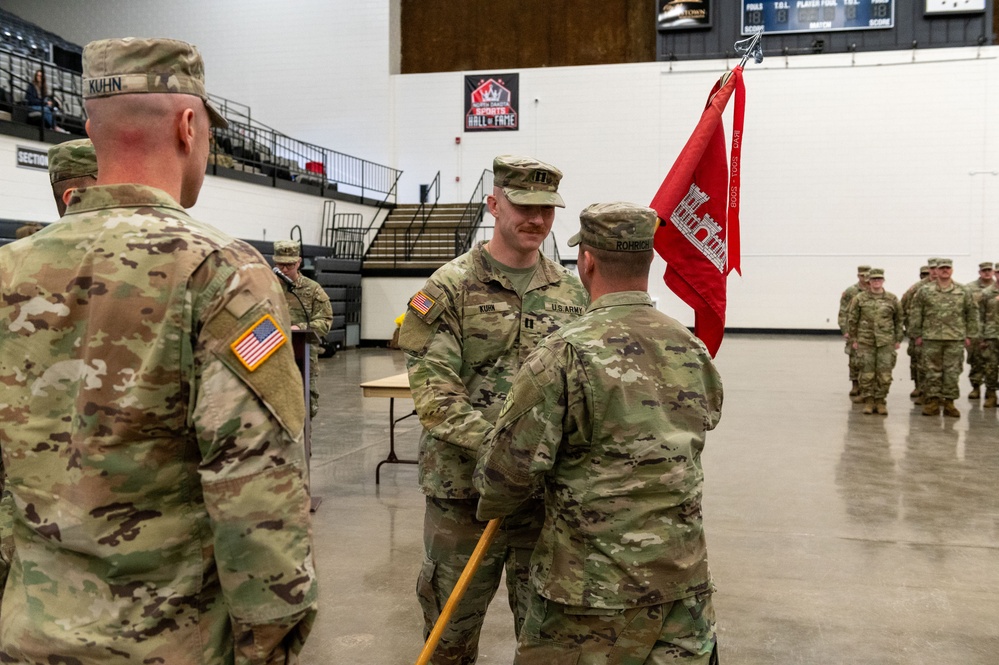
[621, 265]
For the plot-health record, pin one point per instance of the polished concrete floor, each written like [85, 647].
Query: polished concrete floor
[833, 537]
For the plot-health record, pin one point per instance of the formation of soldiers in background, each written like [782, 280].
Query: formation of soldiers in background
[941, 320]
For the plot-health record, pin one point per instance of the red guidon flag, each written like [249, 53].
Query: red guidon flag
[698, 206]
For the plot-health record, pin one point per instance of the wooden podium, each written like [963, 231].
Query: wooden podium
[301, 342]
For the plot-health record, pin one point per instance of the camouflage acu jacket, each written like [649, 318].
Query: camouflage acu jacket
[943, 314]
[465, 335]
[906, 302]
[160, 512]
[988, 306]
[844, 306]
[875, 319]
[318, 312]
[610, 415]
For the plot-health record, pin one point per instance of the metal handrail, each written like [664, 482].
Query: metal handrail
[471, 216]
[256, 147]
[423, 215]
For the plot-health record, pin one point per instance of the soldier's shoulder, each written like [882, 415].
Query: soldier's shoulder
[455, 274]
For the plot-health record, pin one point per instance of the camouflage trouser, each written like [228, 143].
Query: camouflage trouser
[876, 364]
[679, 632]
[854, 365]
[450, 533]
[915, 361]
[990, 363]
[943, 361]
[313, 380]
[975, 362]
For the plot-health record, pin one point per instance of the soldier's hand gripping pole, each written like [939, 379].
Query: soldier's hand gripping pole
[459, 591]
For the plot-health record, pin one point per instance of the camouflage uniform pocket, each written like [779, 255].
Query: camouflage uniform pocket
[426, 591]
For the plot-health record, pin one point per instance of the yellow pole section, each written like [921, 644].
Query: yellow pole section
[459, 591]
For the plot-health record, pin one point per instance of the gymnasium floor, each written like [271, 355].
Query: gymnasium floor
[833, 537]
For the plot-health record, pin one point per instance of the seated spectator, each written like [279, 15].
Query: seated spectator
[37, 99]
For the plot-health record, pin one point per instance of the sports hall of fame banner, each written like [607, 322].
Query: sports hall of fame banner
[491, 102]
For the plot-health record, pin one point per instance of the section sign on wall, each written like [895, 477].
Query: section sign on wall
[491, 102]
[32, 158]
[816, 15]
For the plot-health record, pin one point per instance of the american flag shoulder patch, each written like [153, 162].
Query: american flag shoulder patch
[422, 303]
[259, 342]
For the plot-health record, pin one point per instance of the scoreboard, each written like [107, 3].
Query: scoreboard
[773, 16]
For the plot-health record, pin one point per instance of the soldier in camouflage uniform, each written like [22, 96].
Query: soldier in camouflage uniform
[309, 306]
[975, 360]
[609, 416]
[465, 335]
[844, 308]
[988, 306]
[914, 352]
[943, 320]
[152, 443]
[72, 164]
[876, 330]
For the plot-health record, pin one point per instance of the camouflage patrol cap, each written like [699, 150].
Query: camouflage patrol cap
[876, 273]
[932, 262]
[130, 65]
[526, 181]
[72, 159]
[924, 270]
[945, 263]
[286, 251]
[616, 227]
[863, 270]
[986, 265]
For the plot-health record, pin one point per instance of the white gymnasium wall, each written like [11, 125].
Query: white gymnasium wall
[240, 209]
[317, 70]
[883, 158]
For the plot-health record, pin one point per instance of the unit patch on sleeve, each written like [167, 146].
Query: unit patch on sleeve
[422, 303]
[258, 343]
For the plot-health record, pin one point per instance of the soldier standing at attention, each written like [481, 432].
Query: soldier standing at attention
[609, 416]
[989, 308]
[977, 370]
[876, 331]
[943, 320]
[152, 434]
[309, 306]
[72, 165]
[844, 309]
[465, 335]
[913, 351]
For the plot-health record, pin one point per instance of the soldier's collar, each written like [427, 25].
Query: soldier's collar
[98, 197]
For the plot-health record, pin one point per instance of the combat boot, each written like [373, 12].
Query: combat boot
[868, 406]
[918, 400]
[975, 392]
[950, 410]
[916, 392]
[990, 399]
[855, 390]
[931, 407]
[881, 408]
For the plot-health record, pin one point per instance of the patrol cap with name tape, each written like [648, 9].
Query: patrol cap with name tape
[526, 181]
[130, 66]
[286, 251]
[616, 227]
[72, 159]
